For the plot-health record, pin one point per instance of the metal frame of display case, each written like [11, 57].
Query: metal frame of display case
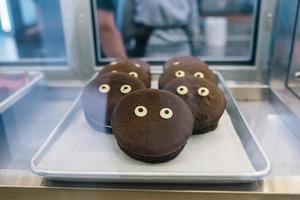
[253, 82]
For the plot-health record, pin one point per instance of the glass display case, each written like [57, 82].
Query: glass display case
[31, 32]
[216, 31]
[51, 50]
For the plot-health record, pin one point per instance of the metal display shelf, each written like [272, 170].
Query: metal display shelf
[280, 184]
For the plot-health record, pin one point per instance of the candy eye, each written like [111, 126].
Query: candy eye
[140, 111]
[104, 88]
[179, 74]
[166, 113]
[182, 90]
[114, 63]
[125, 89]
[199, 75]
[114, 71]
[137, 65]
[203, 91]
[176, 63]
[134, 74]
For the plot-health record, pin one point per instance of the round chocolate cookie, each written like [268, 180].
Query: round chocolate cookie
[205, 99]
[134, 67]
[183, 67]
[152, 125]
[101, 95]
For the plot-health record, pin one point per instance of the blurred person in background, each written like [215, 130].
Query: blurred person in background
[109, 34]
[150, 28]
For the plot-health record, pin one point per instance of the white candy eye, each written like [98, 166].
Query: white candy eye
[203, 91]
[125, 89]
[140, 111]
[114, 71]
[114, 63]
[134, 74]
[179, 74]
[137, 65]
[176, 63]
[166, 113]
[104, 88]
[182, 90]
[199, 75]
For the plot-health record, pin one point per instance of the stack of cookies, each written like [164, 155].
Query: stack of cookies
[153, 125]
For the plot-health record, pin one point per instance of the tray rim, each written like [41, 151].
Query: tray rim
[14, 97]
[152, 176]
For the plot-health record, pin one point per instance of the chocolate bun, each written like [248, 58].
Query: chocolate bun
[205, 99]
[101, 95]
[152, 125]
[179, 60]
[134, 67]
[185, 66]
[143, 65]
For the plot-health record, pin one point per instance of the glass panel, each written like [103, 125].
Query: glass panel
[31, 32]
[27, 123]
[215, 30]
[294, 74]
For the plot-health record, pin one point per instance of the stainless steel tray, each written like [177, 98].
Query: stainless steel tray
[33, 77]
[76, 152]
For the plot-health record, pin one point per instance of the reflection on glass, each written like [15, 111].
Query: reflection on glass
[31, 31]
[10, 83]
[213, 29]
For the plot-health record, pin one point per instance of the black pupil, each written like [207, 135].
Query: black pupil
[125, 88]
[181, 89]
[103, 87]
[140, 109]
[167, 112]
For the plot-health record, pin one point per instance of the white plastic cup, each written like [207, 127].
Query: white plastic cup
[216, 31]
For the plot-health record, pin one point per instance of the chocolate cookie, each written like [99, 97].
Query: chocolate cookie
[185, 66]
[205, 99]
[101, 95]
[134, 67]
[152, 125]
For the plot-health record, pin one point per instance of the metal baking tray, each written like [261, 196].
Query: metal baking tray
[76, 152]
[30, 79]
